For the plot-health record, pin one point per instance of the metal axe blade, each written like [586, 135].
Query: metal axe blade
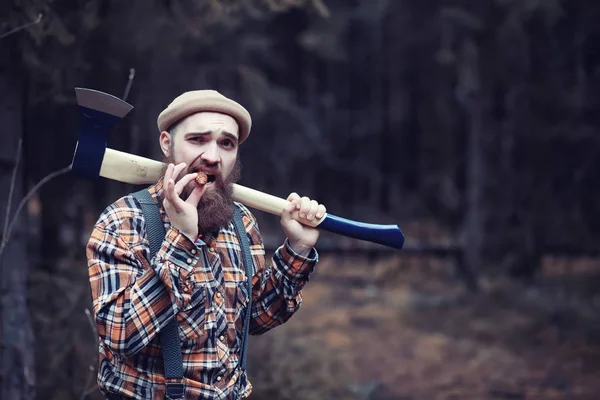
[98, 112]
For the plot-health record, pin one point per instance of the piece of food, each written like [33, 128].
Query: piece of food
[201, 178]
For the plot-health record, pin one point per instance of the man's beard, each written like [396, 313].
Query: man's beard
[215, 208]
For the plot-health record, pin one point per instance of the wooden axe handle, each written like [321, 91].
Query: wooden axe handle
[129, 168]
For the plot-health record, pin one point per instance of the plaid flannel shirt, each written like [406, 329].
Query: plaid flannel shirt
[201, 282]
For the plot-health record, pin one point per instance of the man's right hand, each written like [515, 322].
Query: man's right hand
[182, 214]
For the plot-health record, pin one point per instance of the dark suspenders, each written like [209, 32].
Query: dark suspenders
[169, 336]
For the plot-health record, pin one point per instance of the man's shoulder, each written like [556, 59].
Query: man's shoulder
[250, 221]
[122, 211]
[245, 212]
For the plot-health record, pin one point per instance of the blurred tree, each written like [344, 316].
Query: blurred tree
[16, 338]
[478, 116]
[95, 44]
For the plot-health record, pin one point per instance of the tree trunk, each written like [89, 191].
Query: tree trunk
[16, 336]
[470, 95]
[383, 101]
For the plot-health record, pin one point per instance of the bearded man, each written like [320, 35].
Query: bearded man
[197, 276]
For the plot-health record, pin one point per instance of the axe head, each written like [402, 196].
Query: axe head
[98, 113]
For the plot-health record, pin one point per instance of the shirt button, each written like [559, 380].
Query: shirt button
[218, 295]
[219, 379]
[222, 338]
[193, 251]
[189, 260]
[212, 250]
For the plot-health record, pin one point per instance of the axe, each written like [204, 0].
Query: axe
[99, 112]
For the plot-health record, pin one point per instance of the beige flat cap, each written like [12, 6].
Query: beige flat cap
[204, 100]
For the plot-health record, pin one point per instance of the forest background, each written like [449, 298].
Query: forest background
[471, 124]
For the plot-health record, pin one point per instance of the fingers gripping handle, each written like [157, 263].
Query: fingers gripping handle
[266, 202]
[387, 235]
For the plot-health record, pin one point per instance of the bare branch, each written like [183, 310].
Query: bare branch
[321, 8]
[87, 390]
[91, 321]
[24, 201]
[129, 82]
[11, 191]
[90, 391]
[19, 28]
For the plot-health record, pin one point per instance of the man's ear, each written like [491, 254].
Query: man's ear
[165, 143]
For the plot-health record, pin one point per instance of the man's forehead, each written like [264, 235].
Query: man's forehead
[208, 121]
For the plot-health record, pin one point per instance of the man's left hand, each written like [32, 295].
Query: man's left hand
[302, 238]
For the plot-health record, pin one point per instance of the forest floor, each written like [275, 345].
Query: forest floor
[400, 327]
[404, 327]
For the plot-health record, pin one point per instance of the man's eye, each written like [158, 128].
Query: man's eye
[227, 143]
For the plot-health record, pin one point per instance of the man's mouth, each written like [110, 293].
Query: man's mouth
[205, 178]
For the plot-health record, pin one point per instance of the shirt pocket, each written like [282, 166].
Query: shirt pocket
[192, 318]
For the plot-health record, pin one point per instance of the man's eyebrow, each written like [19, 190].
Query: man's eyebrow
[198, 133]
[207, 133]
[230, 135]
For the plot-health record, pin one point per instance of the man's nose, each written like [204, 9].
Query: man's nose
[211, 153]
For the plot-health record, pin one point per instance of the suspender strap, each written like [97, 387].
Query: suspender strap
[169, 336]
[242, 235]
[240, 230]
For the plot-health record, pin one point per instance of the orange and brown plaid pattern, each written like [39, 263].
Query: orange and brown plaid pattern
[202, 283]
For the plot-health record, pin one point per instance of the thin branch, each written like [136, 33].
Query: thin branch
[86, 388]
[64, 315]
[90, 391]
[321, 8]
[24, 201]
[19, 28]
[11, 191]
[91, 321]
[129, 82]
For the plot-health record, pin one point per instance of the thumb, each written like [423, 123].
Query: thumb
[196, 195]
[287, 213]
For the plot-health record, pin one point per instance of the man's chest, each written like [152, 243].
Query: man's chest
[218, 291]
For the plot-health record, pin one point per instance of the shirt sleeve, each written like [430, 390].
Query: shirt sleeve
[133, 298]
[276, 286]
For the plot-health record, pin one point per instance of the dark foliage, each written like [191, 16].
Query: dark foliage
[472, 124]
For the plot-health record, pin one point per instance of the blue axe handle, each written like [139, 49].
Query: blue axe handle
[387, 235]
